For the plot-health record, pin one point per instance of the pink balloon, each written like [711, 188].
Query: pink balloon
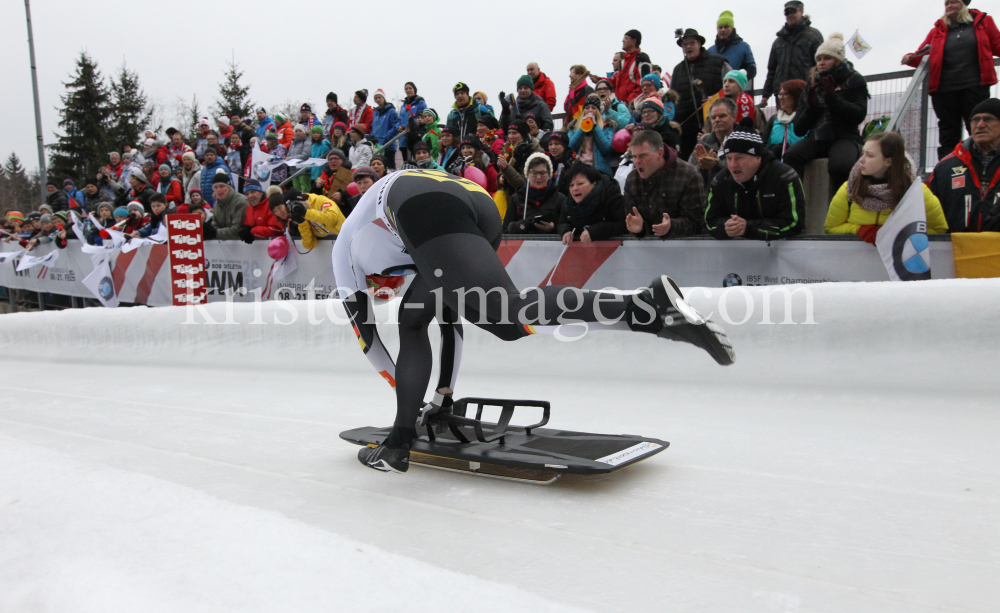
[352, 189]
[476, 176]
[278, 248]
[621, 140]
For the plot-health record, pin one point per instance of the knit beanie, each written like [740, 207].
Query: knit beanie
[521, 126]
[336, 152]
[360, 128]
[592, 99]
[138, 175]
[525, 81]
[472, 140]
[121, 212]
[251, 185]
[432, 113]
[652, 103]
[46, 218]
[485, 97]
[221, 177]
[379, 92]
[271, 136]
[726, 19]
[164, 167]
[365, 171]
[489, 121]
[105, 205]
[135, 205]
[11, 215]
[362, 94]
[301, 128]
[559, 136]
[317, 129]
[280, 118]
[739, 76]
[460, 87]
[223, 120]
[90, 182]
[62, 215]
[744, 139]
[189, 155]
[655, 78]
[341, 125]
[68, 182]
[990, 105]
[421, 146]
[332, 97]
[833, 46]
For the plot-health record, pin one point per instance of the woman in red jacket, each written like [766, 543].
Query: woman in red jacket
[169, 186]
[963, 44]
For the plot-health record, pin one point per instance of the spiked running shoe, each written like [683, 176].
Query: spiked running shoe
[385, 459]
[682, 323]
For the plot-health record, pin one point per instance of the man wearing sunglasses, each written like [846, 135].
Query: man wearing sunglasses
[793, 53]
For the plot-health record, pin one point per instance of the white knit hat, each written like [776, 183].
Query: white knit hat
[833, 46]
[223, 120]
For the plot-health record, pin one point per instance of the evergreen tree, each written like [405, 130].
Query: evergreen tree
[129, 113]
[20, 192]
[235, 97]
[194, 116]
[85, 113]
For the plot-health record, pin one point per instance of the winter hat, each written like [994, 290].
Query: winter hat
[341, 125]
[271, 136]
[744, 139]
[380, 158]
[221, 177]
[521, 126]
[135, 205]
[52, 183]
[637, 35]
[833, 46]
[525, 81]
[363, 94]
[68, 182]
[360, 128]
[379, 92]
[561, 137]
[34, 215]
[592, 100]
[421, 146]
[795, 4]
[223, 120]
[301, 128]
[432, 113]
[128, 155]
[655, 78]
[164, 167]
[316, 130]
[332, 97]
[62, 215]
[120, 212]
[138, 175]
[261, 109]
[726, 19]
[473, 141]
[149, 142]
[489, 121]
[990, 105]
[305, 108]
[336, 152]
[106, 205]
[45, 207]
[365, 171]
[90, 182]
[485, 97]
[252, 184]
[280, 118]
[460, 87]
[194, 189]
[272, 189]
[652, 103]
[46, 218]
[739, 76]
[12, 215]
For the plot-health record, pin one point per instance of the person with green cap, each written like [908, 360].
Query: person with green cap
[284, 129]
[429, 123]
[734, 86]
[527, 102]
[729, 44]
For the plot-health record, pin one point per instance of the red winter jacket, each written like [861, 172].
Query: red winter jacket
[989, 45]
[174, 193]
[546, 90]
[262, 221]
[627, 81]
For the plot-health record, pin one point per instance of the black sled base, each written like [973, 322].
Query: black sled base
[453, 440]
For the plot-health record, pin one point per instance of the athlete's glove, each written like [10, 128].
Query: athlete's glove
[210, 231]
[246, 234]
[297, 210]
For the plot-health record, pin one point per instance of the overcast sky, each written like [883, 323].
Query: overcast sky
[299, 51]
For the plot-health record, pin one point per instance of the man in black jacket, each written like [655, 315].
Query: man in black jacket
[55, 197]
[528, 103]
[698, 76]
[968, 181]
[138, 189]
[793, 53]
[756, 196]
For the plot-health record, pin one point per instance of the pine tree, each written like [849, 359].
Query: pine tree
[20, 193]
[86, 109]
[130, 115]
[194, 116]
[235, 97]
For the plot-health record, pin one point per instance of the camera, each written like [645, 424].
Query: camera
[679, 33]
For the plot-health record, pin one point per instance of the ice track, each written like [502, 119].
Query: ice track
[849, 465]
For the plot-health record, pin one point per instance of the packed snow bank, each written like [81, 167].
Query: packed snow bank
[81, 537]
[945, 330]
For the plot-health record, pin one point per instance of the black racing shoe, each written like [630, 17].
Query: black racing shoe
[385, 458]
[682, 323]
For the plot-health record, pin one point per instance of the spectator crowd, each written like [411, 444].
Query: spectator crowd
[640, 151]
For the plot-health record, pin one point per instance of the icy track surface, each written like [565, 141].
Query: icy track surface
[847, 465]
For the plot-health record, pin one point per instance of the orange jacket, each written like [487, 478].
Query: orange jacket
[285, 134]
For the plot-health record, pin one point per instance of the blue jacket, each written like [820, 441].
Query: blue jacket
[207, 174]
[319, 150]
[75, 195]
[739, 55]
[413, 109]
[386, 124]
[602, 146]
[262, 128]
[618, 112]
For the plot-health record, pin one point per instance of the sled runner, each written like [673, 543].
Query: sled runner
[451, 439]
